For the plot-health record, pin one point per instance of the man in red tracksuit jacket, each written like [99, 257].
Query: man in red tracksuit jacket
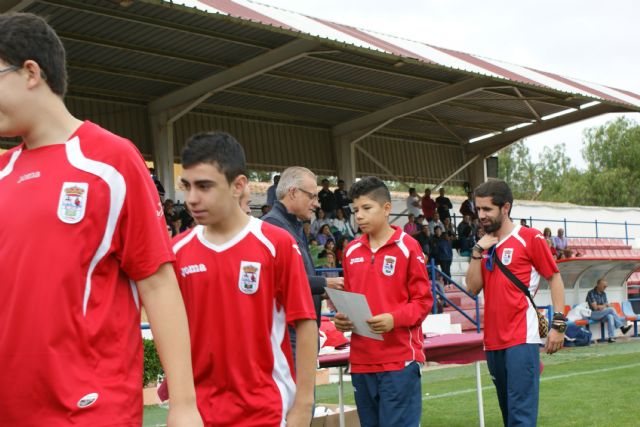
[388, 267]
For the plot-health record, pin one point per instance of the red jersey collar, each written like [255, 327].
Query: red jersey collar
[395, 237]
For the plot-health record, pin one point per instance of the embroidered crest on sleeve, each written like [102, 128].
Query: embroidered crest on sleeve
[249, 279]
[73, 202]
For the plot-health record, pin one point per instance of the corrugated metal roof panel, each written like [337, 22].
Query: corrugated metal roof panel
[268, 145]
[127, 120]
[455, 60]
[318, 91]
[294, 110]
[416, 162]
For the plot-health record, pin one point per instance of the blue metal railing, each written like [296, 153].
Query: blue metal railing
[433, 270]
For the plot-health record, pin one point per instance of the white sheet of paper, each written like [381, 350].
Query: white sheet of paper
[355, 306]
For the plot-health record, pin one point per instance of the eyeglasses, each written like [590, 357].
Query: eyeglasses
[9, 69]
[312, 196]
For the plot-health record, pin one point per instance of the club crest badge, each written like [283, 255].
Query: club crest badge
[73, 202]
[507, 255]
[249, 277]
[389, 265]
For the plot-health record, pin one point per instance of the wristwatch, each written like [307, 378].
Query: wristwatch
[559, 326]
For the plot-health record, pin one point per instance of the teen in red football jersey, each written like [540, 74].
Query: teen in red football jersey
[84, 242]
[243, 282]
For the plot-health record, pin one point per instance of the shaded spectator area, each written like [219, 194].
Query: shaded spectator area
[296, 90]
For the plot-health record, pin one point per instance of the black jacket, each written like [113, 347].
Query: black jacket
[280, 217]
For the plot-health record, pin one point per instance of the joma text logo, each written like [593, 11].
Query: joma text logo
[190, 269]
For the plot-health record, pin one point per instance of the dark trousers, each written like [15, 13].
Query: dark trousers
[445, 266]
[389, 399]
[516, 374]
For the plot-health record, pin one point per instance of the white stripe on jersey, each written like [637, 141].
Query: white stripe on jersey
[533, 333]
[256, 229]
[353, 248]
[402, 246]
[186, 239]
[12, 161]
[117, 193]
[134, 291]
[281, 372]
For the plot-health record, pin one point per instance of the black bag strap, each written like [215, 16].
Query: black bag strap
[513, 278]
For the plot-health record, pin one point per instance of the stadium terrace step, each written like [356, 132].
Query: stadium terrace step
[580, 243]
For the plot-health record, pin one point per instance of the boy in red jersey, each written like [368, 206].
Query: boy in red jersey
[243, 283]
[387, 266]
[83, 243]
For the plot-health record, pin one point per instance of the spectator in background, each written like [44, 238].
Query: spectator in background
[549, 239]
[428, 205]
[176, 224]
[186, 219]
[157, 183]
[271, 192]
[464, 224]
[466, 242]
[330, 246]
[340, 245]
[419, 221]
[523, 223]
[168, 208]
[264, 209]
[329, 261]
[468, 207]
[411, 227]
[602, 310]
[562, 245]
[327, 199]
[413, 202]
[435, 222]
[320, 220]
[342, 199]
[443, 205]
[324, 235]
[424, 239]
[306, 229]
[340, 225]
[448, 228]
[443, 252]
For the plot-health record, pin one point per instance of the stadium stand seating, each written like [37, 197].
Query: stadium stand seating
[579, 243]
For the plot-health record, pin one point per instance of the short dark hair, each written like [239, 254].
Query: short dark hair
[25, 36]
[371, 187]
[217, 148]
[498, 190]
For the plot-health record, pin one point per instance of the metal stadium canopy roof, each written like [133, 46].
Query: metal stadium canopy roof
[300, 90]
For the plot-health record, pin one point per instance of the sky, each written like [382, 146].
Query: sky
[592, 40]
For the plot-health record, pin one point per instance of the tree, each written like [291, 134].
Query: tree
[516, 167]
[553, 168]
[614, 145]
[613, 155]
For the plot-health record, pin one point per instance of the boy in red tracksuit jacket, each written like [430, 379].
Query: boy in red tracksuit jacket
[388, 267]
